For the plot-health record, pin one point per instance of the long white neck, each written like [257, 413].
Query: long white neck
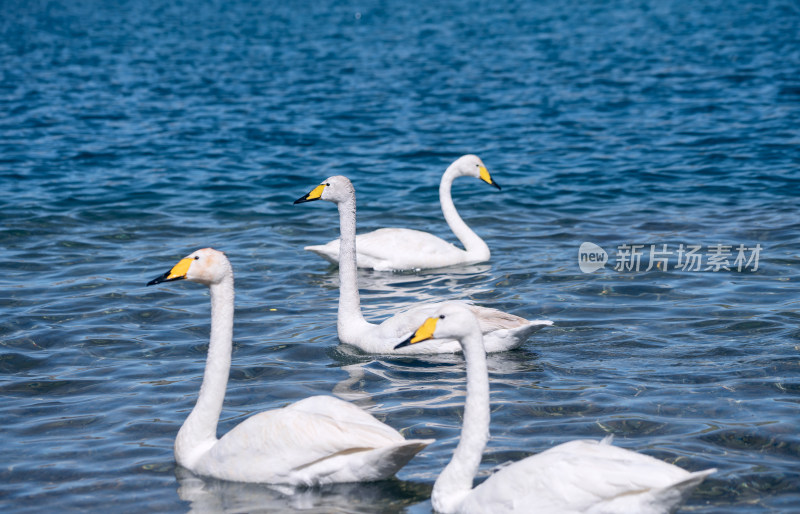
[474, 245]
[350, 321]
[199, 432]
[455, 482]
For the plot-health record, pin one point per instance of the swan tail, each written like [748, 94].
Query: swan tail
[511, 338]
[534, 326]
[674, 495]
[524, 332]
[324, 252]
[359, 464]
[397, 457]
[382, 463]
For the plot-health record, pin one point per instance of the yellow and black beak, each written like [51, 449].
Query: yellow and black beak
[178, 272]
[488, 178]
[423, 333]
[315, 194]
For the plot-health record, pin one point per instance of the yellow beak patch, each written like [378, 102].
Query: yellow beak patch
[425, 331]
[181, 269]
[316, 192]
[485, 175]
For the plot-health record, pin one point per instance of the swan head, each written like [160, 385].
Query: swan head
[333, 189]
[472, 166]
[206, 266]
[452, 321]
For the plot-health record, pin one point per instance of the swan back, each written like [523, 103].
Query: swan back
[585, 476]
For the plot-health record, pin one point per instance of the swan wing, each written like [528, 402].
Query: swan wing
[396, 249]
[402, 324]
[492, 319]
[407, 248]
[345, 413]
[586, 476]
[501, 331]
[308, 442]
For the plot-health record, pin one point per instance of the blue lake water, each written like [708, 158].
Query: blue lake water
[133, 133]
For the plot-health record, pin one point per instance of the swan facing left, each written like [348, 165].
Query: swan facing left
[501, 330]
[318, 440]
[580, 476]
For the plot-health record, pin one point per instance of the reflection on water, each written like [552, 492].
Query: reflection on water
[208, 496]
[423, 384]
[387, 293]
[136, 133]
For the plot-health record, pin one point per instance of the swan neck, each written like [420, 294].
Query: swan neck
[349, 316]
[199, 431]
[473, 244]
[455, 482]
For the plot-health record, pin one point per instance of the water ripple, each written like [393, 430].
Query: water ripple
[134, 134]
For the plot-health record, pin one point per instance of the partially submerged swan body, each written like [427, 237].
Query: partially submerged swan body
[581, 476]
[501, 331]
[388, 249]
[318, 440]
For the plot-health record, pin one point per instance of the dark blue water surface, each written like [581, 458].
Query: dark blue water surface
[133, 133]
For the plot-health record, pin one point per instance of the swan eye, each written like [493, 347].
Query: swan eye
[197, 257]
[441, 316]
[327, 184]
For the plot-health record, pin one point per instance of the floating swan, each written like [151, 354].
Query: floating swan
[406, 249]
[318, 440]
[501, 331]
[579, 476]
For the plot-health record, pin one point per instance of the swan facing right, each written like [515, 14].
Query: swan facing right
[392, 249]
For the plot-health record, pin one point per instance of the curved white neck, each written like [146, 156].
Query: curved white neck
[349, 321]
[199, 432]
[455, 482]
[473, 244]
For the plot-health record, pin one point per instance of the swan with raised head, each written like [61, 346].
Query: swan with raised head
[581, 476]
[501, 331]
[406, 249]
[318, 440]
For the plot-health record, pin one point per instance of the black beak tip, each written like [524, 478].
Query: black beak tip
[162, 278]
[495, 184]
[405, 343]
[302, 199]
[158, 279]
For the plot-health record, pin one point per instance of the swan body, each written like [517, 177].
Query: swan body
[581, 476]
[318, 440]
[501, 331]
[388, 249]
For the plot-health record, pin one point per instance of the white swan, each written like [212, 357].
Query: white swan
[579, 476]
[406, 249]
[501, 331]
[318, 440]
